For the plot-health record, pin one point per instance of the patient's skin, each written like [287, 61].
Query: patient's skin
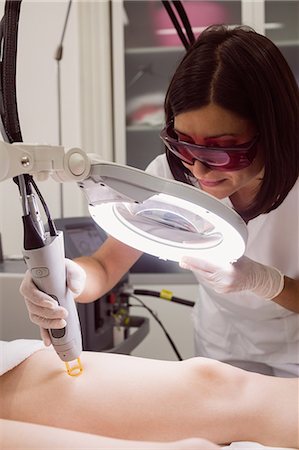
[20, 435]
[141, 399]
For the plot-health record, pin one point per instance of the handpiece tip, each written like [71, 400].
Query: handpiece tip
[74, 368]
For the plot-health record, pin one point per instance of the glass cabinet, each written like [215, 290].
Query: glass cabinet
[147, 49]
[282, 27]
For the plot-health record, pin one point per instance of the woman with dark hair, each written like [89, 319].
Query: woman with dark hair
[244, 73]
[232, 130]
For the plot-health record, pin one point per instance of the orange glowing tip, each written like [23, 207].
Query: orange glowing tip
[75, 368]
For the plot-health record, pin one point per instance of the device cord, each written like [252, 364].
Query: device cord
[142, 304]
[161, 294]
[188, 40]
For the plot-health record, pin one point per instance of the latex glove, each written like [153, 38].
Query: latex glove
[242, 275]
[44, 310]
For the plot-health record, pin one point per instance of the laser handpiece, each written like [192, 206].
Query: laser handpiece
[45, 259]
[47, 268]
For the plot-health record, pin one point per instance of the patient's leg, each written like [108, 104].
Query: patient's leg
[20, 435]
[141, 399]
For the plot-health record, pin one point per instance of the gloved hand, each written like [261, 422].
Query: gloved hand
[242, 275]
[44, 310]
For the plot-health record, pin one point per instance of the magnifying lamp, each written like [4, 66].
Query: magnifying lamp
[165, 218]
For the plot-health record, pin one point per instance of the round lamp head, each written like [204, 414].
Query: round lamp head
[164, 218]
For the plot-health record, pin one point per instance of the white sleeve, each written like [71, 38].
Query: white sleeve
[159, 167]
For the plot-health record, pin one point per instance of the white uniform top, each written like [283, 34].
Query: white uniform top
[241, 326]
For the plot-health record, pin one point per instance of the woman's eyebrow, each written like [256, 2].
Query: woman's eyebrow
[183, 134]
[209, 137]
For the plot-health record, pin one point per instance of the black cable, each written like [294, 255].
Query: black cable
[10, 125]
[158, 294]
[188, 40]
[142, 304]
[58, 56]
[176, 24]
[184, 18]
[9, 38]
[51, 224]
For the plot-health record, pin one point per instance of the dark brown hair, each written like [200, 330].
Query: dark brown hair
[244, 72]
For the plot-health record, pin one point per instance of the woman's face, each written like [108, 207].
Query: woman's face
[213, 125]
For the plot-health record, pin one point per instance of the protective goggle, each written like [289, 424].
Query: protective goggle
[217, 158]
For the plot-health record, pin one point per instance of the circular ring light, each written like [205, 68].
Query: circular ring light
[170, 227]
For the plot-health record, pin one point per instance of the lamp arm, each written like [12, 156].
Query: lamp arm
[87, 169]
[43, 161]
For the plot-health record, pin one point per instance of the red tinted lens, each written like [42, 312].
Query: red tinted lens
[235, 158]
[215, 158]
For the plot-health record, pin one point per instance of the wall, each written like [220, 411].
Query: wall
[40, 29]
[176, 318]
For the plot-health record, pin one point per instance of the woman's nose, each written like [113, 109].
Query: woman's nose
[199, 169]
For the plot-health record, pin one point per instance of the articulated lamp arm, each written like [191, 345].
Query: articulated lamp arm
[43, 161]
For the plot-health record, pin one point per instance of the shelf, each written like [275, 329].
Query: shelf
[134, 128]
[142, 50]
[180, 49]
[286, 43]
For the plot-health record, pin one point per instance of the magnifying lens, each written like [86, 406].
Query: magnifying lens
[164, 218]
